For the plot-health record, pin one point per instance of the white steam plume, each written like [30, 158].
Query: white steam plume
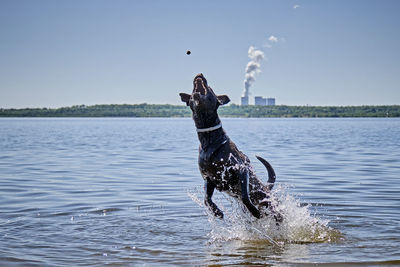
[253, 67]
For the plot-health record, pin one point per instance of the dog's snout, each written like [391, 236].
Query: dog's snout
[200, 85]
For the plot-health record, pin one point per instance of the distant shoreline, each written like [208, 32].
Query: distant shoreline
[153, 110]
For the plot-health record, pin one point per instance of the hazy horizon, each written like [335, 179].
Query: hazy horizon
[319, 53]
[57, 107]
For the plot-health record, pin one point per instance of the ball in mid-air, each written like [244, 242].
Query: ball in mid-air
[188, 52]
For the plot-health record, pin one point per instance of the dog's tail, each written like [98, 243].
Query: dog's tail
[271, 172]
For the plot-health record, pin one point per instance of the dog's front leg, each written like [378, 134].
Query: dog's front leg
[244, 183]
[209, 190]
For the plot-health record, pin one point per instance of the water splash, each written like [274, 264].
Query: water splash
[299, 224]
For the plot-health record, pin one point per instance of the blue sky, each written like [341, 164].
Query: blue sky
[63, 53]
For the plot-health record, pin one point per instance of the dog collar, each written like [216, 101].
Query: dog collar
[203, 130]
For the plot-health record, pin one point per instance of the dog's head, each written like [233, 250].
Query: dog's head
[203, 102]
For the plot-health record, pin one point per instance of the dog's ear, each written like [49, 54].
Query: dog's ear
[223, 99]
[185, 98]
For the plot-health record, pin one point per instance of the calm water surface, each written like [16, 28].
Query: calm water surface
[128, 192]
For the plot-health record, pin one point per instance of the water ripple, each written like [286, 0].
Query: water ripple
[114, 191]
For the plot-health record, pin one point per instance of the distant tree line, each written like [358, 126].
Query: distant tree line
[151, 110]
[310, 111]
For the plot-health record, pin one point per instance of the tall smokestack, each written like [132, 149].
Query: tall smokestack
[253, 67]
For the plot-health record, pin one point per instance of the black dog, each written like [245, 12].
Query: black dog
[221, 164]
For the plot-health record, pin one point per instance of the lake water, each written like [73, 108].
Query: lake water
[121, 191]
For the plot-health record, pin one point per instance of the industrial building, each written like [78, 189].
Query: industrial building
[258, 101]
[261, 101]
[271, 101]
[244, 100]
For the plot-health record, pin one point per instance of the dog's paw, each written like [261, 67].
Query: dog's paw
[276, 215]
[278, 218]
[219, 214]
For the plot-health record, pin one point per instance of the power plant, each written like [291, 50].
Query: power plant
[258, 101]
[252, 68]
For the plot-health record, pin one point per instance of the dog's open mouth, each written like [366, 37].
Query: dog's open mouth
[200, 85]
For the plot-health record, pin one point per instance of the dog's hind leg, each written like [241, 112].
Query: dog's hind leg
[271, 172]
[244, 184]
[209, 190]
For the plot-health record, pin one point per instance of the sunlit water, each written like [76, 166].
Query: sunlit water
[129, 192]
